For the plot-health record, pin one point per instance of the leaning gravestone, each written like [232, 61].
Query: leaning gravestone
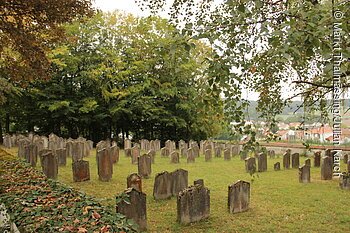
[207, 155]
[250, 165]
[179, 181]
[295, 160]
[81, 171]
[174, 157]
[104, 165]
[238, 197]
[304, 174]
[227, 154]
[162, 188]
[344, 181]
[50, 165]
[135, 208]
[262, 162]
[326, 168]
[317, 159]
[286, 160]
[134, 181]
[144, 166]
[193, 204]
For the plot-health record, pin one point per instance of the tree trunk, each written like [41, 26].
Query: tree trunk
[7, 123]
[1, 139]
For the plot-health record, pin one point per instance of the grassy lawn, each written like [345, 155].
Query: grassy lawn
[279, 203]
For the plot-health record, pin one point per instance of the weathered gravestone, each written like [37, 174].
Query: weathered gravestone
[227, 154]
[114, 152]
[218, 151]
[127, 144]
[235, 150]
[127, 152]
[81, 171]
[295, 160]
[50, 165]
[183, 152]
[193, 204]
[7, 141]
[174, 157]
[135, 153]
[317, 159]
[262, 162]
[198, 182]
[238, 197]
[134, 181]
[272, 154]
[144, 166]
[286, 160]
[207, 155]
[69, 148]
[308, 162]
[179, 181]
[162, 188]
[326, 168]
[135, 208]
[344, 181]
[190, 155]
[31, 154]
[152, 153]
[250, 165]
[304, 174]
[104, 165]
[164, 152]
[78, 151]
[346, 158]
[61, 156]
[277, 166]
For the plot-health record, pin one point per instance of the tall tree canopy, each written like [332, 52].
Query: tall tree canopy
[265, 45]
[122, 74]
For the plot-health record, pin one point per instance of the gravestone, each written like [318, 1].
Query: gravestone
[193, 204]
[152, 154]
[308, 162]
[250, 165]
[198, 182]
[114, 152]
[207, 155]
[238, 197]
[235, 150]
[81, 171]
[61, 156]
[134, 181]
[272, 154]
[218, 152]
[286, 160]
[317, 159]
[174, 157]
[135, 208]
[104, 165]
[162, 188]
[227, 154]
[304, 174]
[344, 181]
[183, 152]
[135, 153]
[190, 156]
[262, 162]
[277, 166]
[243, 154]
[179, 181]
[295, 160]
[31, 154]
[127, 152]
[50, 165]
[69, 148]
[164, 152]
[127, 144]
[144, 166]
[78, 151]
[346, 158]
[326, 168]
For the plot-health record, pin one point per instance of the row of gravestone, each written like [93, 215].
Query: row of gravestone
[193, 202]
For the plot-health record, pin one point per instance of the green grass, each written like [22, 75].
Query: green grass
[279, 203]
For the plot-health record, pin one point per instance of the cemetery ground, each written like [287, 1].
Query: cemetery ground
[279, 203]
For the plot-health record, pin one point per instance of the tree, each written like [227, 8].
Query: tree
[265, 45]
